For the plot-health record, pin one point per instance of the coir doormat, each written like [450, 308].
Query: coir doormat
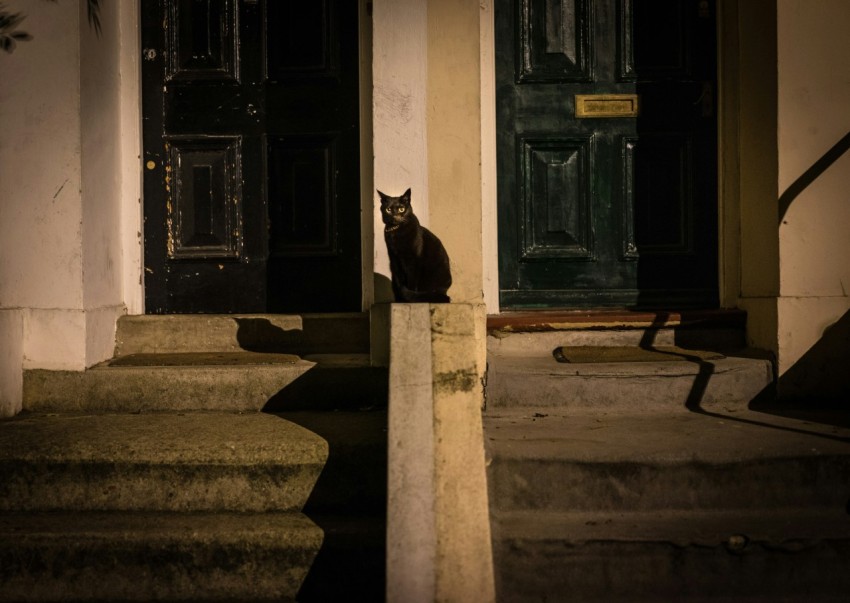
[586, 354]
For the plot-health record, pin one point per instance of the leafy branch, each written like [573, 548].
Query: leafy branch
[10, 35]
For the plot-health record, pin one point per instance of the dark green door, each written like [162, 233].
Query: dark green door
[606, 153]
[251, 152]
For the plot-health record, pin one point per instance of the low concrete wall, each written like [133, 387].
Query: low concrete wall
[438, 527]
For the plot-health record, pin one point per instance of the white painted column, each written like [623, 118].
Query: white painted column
[399, 72]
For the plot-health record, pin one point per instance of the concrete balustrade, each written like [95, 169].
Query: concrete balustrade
[438, 528]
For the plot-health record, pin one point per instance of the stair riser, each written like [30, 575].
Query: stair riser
[542, 343]
[85, 486]
[132, 389]
[637, 388]
[55, 569]
[577, 486]
[324, 388]
[307, 334]
[657, 571]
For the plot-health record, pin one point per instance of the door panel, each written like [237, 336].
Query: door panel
[251, 146]
[596, 209]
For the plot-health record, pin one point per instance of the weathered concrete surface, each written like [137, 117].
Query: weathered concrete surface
[147, 506]
[240, 386]
[158, 462]
[723, 506]
[155, 556]
[186, 504]
[744, 460]
[543, 342]
[726, 556]
[295, 334]
[542, 381]
[438, 533]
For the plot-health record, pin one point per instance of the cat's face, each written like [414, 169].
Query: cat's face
[395, 210]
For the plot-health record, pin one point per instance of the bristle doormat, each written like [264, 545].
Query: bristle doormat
[586, 354]
[203, 359]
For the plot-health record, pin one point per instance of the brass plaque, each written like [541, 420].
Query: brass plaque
[606, 105]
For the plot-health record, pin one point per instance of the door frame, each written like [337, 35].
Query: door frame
[728, 202]
[131, 148]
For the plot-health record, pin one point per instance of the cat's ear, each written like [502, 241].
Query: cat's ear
[405, 198]
[383, 197]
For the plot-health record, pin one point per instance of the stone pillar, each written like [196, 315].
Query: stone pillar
[438, 528]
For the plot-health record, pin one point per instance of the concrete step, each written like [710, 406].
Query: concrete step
[228, 381]
[353, 481]
[730, 381]
[689, 506]
[187, 381]
[549, 461]
[742, 556]
[294, 334]
[538, 333]
[146, 556]
[231, 462]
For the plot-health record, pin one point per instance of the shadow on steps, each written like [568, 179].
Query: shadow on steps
[348, 503]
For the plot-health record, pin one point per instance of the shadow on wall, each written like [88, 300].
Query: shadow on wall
[822, 374]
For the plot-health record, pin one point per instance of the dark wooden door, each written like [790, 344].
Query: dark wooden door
[251, 151]
[606, 138]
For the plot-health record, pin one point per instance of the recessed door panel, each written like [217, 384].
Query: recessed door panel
[606, 153]
[249, 108]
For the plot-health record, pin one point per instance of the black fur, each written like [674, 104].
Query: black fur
[418, 261]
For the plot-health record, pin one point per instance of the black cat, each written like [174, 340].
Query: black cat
[418, 261]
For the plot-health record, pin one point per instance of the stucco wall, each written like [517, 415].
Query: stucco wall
[814, 246]
[427, 128]
[454, 140]
[754, 111]
[60, 185]
[399, 74]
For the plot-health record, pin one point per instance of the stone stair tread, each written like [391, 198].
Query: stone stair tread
[159, 437]
[234, 387]
[147, 556]
[786, 555]
[195, 359]
[653, 386]
[290, 333]
[791, 529]
[548, 365]
[723, 436]
[270, 528]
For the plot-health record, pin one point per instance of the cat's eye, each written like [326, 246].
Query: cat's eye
[401, 210]
[388, 210]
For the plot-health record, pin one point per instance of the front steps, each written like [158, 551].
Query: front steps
[221, 362]
[658, 482]
[154, 476]
[156, 506]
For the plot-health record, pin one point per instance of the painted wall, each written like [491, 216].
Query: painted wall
[454, 140]
[61, 278]
[399, 76]
[427, 132]
[814, 180]
[753, 109]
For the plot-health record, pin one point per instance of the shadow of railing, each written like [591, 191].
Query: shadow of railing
[764, 402]
[810, 175]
